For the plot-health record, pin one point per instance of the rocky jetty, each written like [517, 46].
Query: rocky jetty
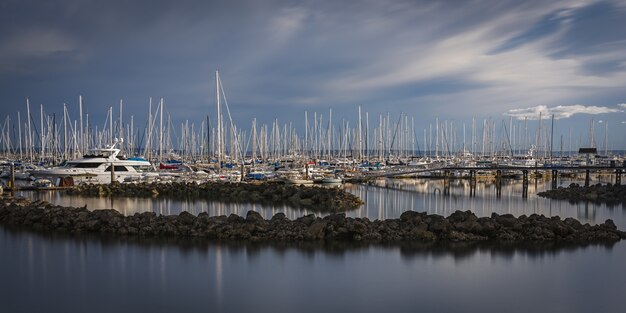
[611, 194]
[410, 227]
[310, 197]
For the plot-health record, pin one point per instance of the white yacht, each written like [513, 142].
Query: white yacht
[96, 169]
[527, 160]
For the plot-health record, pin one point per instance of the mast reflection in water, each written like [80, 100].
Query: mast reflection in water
[62, 273]
[58, 273]
[384, 199]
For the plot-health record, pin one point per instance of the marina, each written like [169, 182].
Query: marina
[54, 265]
[312, 156]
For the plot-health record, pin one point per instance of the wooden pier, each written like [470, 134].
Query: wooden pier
[446, 174]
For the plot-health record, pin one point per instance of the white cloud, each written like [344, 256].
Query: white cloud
[559, 112]
[622, 105]
[527, 73]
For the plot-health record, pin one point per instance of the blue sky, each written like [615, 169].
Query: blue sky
[454, 60]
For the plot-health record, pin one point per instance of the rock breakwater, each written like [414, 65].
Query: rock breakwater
[410, 227]
[611, 194]
[316, 198]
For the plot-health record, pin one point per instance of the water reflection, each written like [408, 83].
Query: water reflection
[109, 274]
[384, 199]
[390, 197]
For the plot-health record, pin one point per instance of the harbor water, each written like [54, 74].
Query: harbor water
[89, 273]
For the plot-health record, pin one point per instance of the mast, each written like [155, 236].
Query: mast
[161, 129]
[219, 121]
[41, 139]
[64, 131]
[592, 140]
[551, 137]
[19, 127]
[111, 125]
[360, 136]
[437, 137]
[367, 131]
[330, 127]
[80, 137]
[606, 138]
[306, 135]
[132, 134]
[146, 150]
[121, 126]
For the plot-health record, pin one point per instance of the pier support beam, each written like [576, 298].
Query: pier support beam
[618, 176]
[555, 175]
[12, 178]
[498, 183]
[587, 178]
[112, 173]
[525, 184]
[472, 183]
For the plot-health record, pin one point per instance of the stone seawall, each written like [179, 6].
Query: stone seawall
[310, 197]
[410, 227]
[610, 194]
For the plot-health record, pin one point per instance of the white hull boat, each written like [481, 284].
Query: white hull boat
[96, 169]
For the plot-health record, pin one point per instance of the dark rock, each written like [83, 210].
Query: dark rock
[254, 217]
[411, 226]
[307, 219]
[318, 198]
[316, 230]
[186, 218]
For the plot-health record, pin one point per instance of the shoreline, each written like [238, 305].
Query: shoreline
[336, 227]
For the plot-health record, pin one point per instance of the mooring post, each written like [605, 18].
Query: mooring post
[112, 173]
[555, 174]
[498, 183]
[524, 183]
[587, 179]
[446, 182]
[618, 176]
[12, 181]
[472, 183]
[243, 171]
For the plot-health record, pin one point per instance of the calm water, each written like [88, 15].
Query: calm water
[57, 273]
[383, 199]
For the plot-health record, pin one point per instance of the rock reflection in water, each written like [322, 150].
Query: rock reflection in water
[384, 199]
[108, 274]
[390, 197]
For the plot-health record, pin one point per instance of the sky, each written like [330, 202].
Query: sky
[451, 60]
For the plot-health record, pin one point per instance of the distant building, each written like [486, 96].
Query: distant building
[590, 154]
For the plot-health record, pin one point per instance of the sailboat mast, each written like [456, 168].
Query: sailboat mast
[219, 120]
[19, 128]
[121, 125]
[161, 129]
[81, 139]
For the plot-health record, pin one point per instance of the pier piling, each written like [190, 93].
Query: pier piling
[472, 177]
[112, 173]
[498, 183]
[555, 175]
[12, 178]
[525, 184]
[587, 178]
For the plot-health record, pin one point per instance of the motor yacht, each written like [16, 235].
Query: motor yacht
[96, 169]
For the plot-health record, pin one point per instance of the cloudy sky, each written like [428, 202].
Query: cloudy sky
[454, 60]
